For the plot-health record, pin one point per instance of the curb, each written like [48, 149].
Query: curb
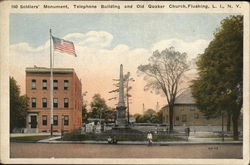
[141, 142]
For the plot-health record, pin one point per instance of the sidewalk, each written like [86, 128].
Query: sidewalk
[191, 141]
[197, 139]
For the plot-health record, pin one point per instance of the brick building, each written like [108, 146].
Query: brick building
[67, 99]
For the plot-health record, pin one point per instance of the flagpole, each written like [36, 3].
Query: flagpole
[51, 86]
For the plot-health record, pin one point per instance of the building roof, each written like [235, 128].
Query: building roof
[36, 69]
[185, 98]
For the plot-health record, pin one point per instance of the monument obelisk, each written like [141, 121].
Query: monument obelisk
[121, 120]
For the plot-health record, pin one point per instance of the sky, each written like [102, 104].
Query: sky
[103, 42]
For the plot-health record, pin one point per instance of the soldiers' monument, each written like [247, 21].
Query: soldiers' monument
[121, 121]
[121, 126]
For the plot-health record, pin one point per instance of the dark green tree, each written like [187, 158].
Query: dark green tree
[164, 74]
[138, 118]
[150, 116]
[160, 116]
[84, 113]
[98, 107]
[18, 106]
[219, 88]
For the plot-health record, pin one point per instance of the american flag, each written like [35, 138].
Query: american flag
[64, 46]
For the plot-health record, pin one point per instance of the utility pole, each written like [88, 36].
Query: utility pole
[128, 88]
[128, 102]
[222, 125]
[157, 106]
[143, 108]
[51, 85]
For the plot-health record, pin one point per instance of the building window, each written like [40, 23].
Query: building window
[66, 120]
[184, 118]
[177, 118]
[44, 120]
[192, 109]
[44, 84]
[33, 102]
[55, 120]
[33, 84]
[55, 84]
[166, 118]
[196, 116]
[66, 102]
[66, 84]
[44, 100]
[55, 103]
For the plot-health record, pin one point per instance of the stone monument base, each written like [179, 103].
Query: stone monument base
[123, 130]
[121, 121]
[123, 126]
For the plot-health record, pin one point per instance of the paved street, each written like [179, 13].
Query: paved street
[39, 150]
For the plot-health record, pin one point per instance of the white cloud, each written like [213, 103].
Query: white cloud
[93, 55]
[26, 48]
[92, 39]
[191, 48]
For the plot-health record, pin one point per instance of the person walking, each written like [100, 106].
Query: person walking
[149, 137]
[187, 130]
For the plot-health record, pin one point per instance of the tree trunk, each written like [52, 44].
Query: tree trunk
[228, 122]
[171, 114]
[235, 119]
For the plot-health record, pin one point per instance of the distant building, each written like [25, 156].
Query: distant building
[67, 99]
[186, 113]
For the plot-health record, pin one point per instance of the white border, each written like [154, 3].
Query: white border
[5, 10]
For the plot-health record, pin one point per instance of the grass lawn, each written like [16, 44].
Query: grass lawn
[167, 138]
[33, 138]
[120, 137]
